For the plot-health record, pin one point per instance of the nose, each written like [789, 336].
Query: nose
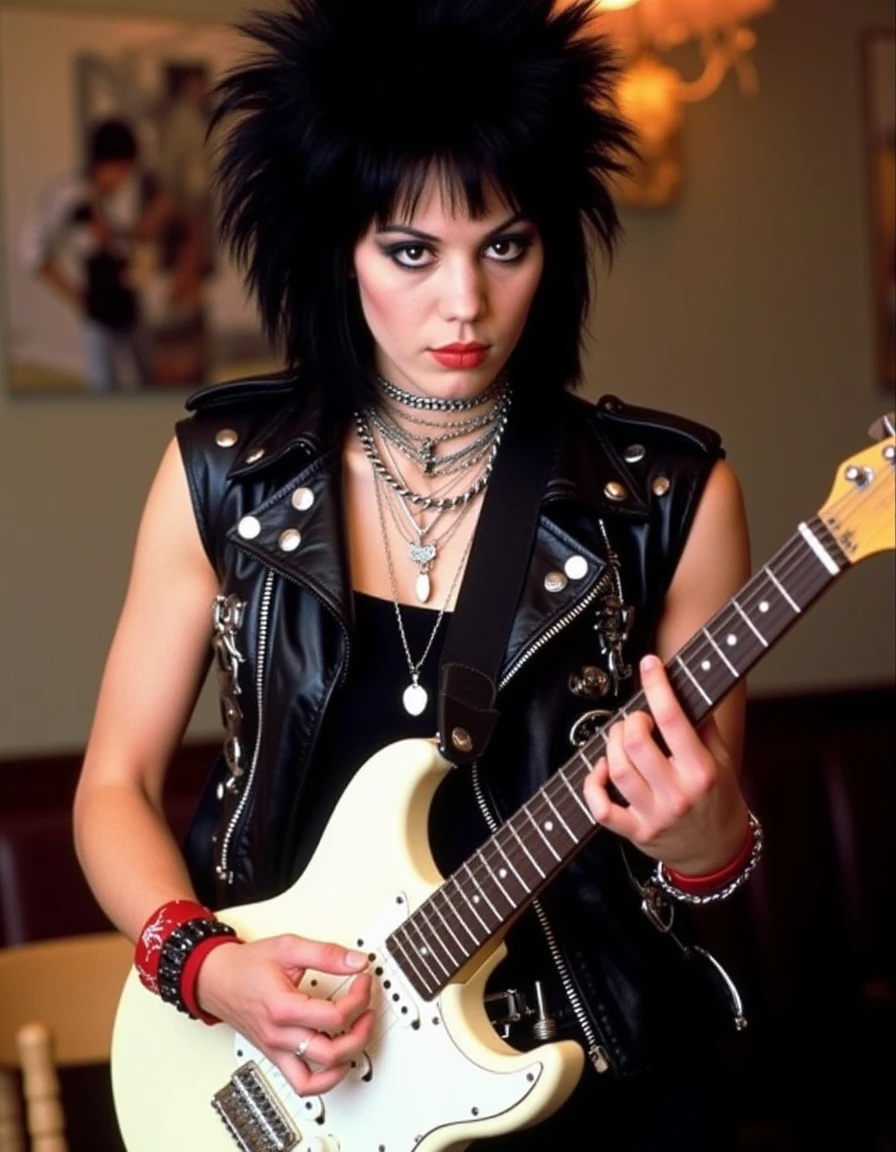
[463, 296]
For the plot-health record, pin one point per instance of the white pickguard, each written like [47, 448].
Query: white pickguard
[438, 1075]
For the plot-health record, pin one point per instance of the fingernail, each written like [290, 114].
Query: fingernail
[356, 960]
[650, 663]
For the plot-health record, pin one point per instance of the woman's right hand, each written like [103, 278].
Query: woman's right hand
[254, 988]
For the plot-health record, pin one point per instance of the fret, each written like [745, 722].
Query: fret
[481, 894]
[721, 655]
[428, 938]
[589, 767]
[522, 844]
[492, 875]
[693, 679]
[556, 810]
[579, 815]
[462, 948]
[537, 828]
[777, 583]
[456, 888]
[527, 888]
[749, 623]
[515, 862]
[400, 937]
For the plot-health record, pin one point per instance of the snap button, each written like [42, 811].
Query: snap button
[634, 453]
[555, 582]
[302, 499]
[461, 740]
[615, 491]
[661, 485]
[576, 567]
[226, 438]
[249, 527]
[255, 454]
[290, 540]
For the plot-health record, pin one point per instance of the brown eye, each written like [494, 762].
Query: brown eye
[412, 255]
[507, 249]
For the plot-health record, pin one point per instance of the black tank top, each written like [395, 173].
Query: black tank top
[367, 712]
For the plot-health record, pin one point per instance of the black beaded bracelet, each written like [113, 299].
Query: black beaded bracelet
[175, 953]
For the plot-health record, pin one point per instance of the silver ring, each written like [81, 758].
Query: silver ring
[303, 1047]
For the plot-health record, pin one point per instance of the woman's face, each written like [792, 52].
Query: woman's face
[446, 297]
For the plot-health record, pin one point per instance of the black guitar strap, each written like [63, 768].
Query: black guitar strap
[496, 570]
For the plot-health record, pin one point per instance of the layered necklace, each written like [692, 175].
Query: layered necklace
[427, 444]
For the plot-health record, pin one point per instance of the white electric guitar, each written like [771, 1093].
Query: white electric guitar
[436, 1076]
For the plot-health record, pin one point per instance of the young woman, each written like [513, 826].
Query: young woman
[416, 190]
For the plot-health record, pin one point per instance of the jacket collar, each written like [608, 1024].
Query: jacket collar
[587, 468]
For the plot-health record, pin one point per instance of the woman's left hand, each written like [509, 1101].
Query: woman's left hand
[686, 807]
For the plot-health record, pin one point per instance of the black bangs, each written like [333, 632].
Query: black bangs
[348, 107]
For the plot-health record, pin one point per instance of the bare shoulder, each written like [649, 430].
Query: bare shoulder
[161, 647]
[715, 561]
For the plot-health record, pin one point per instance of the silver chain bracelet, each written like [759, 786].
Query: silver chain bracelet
[660, 880]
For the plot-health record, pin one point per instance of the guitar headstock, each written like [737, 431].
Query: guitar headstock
[861, 509]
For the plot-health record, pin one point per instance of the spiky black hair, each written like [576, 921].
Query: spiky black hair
[346, 108]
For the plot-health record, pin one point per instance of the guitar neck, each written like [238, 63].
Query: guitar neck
[479, 900]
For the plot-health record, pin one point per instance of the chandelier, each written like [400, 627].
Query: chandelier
[652, 94]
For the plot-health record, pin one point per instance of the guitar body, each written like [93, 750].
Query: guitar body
[438, 1075]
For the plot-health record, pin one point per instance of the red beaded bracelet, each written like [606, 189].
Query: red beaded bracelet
[710, 881]
[156, 931]
[190, 976]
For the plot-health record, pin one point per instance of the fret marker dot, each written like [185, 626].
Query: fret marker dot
[424, 951]
[764, 606]
[549, 825]
[731, 640]
[475, 899]
[502, 872]
[706, 665]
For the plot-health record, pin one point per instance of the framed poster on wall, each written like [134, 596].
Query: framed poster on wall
[113, 279]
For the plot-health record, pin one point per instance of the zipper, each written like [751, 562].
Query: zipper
[557, 627]
[222, 870]
[597, 1051]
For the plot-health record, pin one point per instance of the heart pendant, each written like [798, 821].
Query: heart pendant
[422, 553]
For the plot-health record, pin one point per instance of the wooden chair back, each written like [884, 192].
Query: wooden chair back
[57, 1005]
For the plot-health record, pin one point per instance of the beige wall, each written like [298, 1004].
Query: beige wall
[747, 306]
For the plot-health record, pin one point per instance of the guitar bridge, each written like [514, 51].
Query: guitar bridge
[252, 1115]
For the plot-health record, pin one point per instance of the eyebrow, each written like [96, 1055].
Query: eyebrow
[419, 235]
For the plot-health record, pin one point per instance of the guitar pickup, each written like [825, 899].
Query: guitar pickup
[252, 1114]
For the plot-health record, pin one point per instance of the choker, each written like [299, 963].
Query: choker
[434, 403]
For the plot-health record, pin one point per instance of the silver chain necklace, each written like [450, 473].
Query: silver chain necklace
[422, 450]
[368, 443]
[435, 403]
[414, 697]
[421, 551]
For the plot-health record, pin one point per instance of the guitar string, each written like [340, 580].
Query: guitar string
[792, 558]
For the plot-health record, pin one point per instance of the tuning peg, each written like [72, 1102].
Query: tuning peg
[883, 427]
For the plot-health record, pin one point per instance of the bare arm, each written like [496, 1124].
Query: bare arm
[686, 808]
[154, 670]
[153, 673]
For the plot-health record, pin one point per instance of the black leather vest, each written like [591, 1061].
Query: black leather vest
[264, 469]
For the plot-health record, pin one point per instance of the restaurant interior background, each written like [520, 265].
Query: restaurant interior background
[749, 304]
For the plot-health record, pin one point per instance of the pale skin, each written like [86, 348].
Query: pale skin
[427, 282]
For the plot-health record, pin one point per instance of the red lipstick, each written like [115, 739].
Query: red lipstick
[460, 355]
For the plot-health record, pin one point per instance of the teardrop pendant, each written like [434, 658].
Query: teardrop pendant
[423, 587]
